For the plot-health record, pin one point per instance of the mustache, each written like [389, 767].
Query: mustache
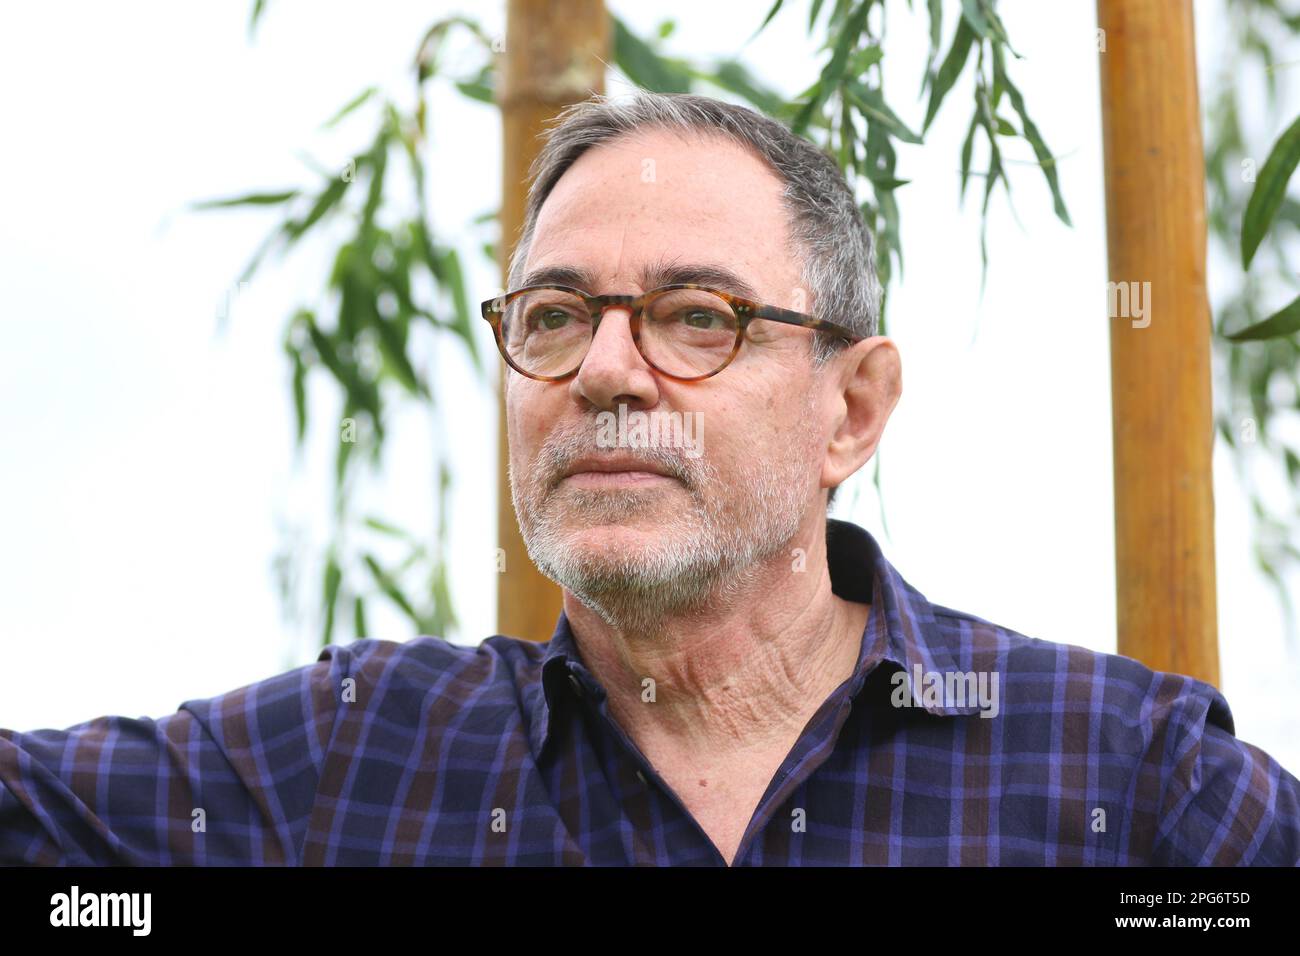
[560, 451]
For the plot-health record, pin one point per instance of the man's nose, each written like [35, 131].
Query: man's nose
[613, 372]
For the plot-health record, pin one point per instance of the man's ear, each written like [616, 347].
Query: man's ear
[870, 381]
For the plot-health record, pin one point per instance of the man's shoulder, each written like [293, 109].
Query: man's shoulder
[1039, 676]
[370, 674]
[1159, 748]
[428, 659]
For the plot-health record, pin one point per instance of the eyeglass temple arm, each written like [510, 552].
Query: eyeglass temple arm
[774, 314]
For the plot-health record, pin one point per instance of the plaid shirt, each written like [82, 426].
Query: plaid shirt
[429, 753]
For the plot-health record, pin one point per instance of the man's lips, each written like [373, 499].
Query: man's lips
[614, 479]
[614, 472]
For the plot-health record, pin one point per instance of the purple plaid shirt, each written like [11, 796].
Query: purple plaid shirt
[429, 753]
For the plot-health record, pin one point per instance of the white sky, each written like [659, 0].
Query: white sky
[147, 461]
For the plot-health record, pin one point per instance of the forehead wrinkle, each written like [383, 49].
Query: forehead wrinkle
[641, 210]
[664, 271]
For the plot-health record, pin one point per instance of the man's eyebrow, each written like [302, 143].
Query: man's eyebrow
[652, 277]
[560, 275]
[716, 276]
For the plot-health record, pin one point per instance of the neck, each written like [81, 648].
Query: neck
[737, 675]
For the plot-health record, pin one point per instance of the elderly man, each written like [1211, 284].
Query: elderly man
[734, 678]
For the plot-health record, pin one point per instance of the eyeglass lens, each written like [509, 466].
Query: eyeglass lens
[684, 332]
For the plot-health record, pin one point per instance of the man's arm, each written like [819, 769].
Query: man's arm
[230, 780]
[1225, 802]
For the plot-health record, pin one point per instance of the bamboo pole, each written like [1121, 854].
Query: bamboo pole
[1159, 336]
[555, 55]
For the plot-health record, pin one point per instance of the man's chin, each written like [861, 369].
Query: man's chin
[615, 548]
[641, 508]
[624, 538]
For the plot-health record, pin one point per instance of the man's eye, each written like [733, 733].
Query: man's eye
[549, 320]
[701, 318]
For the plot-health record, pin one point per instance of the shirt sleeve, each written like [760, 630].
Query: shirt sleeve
[1225, 802]
[226, 781]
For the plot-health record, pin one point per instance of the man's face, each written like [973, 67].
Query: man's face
[642, 211]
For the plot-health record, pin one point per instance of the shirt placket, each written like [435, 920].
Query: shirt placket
[645, 770]
[809, 752]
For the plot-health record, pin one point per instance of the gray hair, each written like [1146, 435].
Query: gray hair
[826, 226]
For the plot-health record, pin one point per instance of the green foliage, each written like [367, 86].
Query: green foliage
[846, 111]
[645, 67]
[1270, 189]
[1266, 201]
[1247, 220]
[360, 335]
[1285, 321]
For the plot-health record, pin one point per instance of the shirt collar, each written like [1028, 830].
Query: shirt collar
[901, 631]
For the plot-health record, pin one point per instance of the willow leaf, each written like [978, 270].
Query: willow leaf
[1285, 321]
[1270, 187]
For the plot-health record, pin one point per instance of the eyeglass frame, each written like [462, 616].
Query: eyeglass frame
[744, 310]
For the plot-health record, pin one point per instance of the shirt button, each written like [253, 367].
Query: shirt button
[577, 684]
[640, 776]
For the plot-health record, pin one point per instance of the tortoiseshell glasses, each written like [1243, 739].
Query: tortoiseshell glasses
[688, 332]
